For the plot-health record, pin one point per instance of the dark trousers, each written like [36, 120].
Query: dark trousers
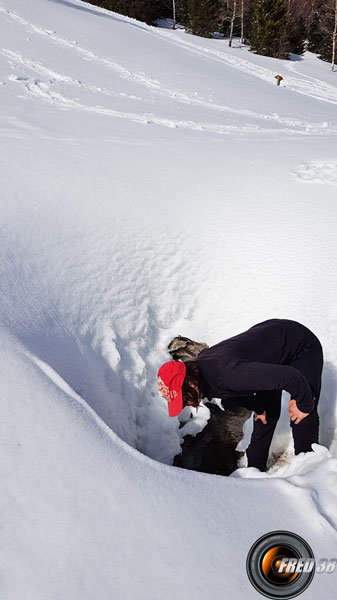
[305, 433]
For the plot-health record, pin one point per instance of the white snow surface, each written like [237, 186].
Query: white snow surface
[153, 183]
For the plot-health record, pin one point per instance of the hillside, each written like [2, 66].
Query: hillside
[153, 184]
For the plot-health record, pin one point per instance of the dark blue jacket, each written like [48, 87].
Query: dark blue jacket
[258, 359]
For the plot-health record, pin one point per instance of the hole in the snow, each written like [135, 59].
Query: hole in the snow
[108, 373]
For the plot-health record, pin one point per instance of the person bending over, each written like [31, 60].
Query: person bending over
[252, 369]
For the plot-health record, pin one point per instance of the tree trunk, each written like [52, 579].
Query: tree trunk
[232, 24]
[334, 36]
[241, 34]
[174, 13]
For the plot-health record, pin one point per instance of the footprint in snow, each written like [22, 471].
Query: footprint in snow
[318, 172]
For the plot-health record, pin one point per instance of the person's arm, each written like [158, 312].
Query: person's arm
[253, 376]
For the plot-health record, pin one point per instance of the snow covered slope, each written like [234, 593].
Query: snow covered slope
[152, 183]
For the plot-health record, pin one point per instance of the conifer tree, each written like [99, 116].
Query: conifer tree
[203, 16]
[144, 10]
[315, 34]
[182, 12]
[269, 35]
[323, 30]
[297, 35]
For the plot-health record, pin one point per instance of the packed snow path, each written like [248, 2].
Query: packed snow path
[127, 219]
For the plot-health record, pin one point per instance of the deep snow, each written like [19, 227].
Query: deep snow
[152, 183]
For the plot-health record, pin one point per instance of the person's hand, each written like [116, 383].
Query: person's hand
[261, 417]
[295, 414]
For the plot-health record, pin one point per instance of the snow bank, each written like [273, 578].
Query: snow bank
[86, 515]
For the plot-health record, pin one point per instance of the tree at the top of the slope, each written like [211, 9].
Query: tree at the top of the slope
[297, 34]
[269, 34]
[143, 10]
[272, 27]
[323, 30]
[200, 17]
[182, 12]
[203, 17]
